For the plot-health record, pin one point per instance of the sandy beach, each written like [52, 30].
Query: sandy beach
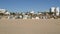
[29, 26]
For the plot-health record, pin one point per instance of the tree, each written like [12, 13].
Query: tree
[1, 14]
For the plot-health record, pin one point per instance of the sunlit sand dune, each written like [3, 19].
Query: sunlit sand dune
[29, 26]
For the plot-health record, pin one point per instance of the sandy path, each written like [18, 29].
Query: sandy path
[20, 26]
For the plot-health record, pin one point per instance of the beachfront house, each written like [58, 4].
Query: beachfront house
[4, 13]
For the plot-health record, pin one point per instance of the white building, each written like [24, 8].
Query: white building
[55, 9]
[25, 17]
[7, 13]
[11, 17]
[52, 9]
[2, 10]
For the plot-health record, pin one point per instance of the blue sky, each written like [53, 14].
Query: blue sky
[27, 5]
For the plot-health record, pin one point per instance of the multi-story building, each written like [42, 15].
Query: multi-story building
[55, 10]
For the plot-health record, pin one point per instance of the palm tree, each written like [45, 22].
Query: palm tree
[12, 13]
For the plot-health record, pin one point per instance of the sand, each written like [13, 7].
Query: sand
[29, 26]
